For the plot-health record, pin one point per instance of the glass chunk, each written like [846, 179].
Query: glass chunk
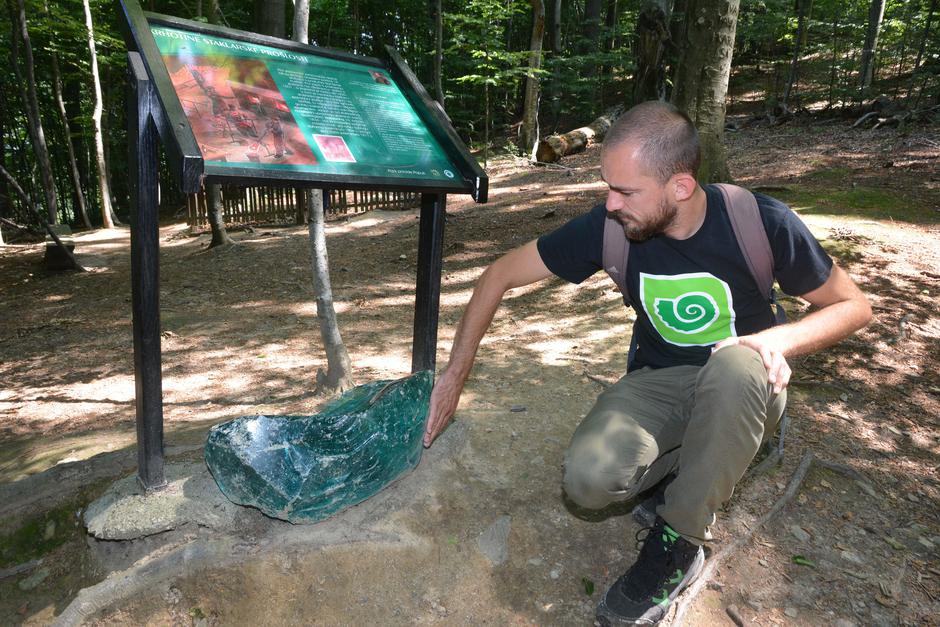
[306, 468]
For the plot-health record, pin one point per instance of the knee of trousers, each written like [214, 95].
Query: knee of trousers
[595, 478]
[736, 364]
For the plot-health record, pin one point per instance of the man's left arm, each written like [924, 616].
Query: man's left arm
[842, 309]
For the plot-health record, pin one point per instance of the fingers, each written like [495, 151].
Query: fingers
[779, 372]
[439, 414]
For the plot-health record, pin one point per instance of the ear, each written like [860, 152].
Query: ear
[683, 186]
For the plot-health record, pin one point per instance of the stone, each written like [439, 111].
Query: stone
[849, 556]
[791, 612]
[304, 469]
[494, 541]
[31, 582]
[799, 533]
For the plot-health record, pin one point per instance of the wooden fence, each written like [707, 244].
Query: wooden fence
[281, 205]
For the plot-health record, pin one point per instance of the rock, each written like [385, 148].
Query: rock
[555, 573]
[49, 532]
[517, 409]
[535, 561]
[849, 556]
[867, 489]
[912, 497]
[799, 533]
[31, 582]
[925, 542]
[494, 542]
[843, 622]
[762, 563]
[791, 611]
[307, 468]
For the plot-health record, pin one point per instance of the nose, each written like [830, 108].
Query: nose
[614, 201]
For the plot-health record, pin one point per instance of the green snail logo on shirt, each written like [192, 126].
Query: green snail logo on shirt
[693, 309]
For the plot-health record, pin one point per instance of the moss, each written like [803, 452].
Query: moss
[837, 197]
[38, 536]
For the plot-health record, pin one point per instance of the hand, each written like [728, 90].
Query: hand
[444, 399]
[778, 370]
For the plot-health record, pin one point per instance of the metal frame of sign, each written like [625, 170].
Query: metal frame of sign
[155, 116]
[187, 161]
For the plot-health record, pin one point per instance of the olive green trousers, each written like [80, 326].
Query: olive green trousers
[704, 423]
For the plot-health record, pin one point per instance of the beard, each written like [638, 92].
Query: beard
[657, 224]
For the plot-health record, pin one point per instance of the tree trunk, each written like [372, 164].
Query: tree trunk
[215, 211]
[28, 87]
[555, 88]
[104, 189]
[338, 376]
[270, 17]
[876, 12]
[835, 56]
[529, 131]
[652, 35]
[801, 8]
[300, 31]
[923, 46]
[610, 26]
[591, 28]
[73, 162]
[701, 80]
[437, 19]
[220, 236]
[555, 147]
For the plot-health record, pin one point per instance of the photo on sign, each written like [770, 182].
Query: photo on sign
[334, 148]
[236, 111]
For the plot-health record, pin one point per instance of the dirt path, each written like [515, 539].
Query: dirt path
[240, 337]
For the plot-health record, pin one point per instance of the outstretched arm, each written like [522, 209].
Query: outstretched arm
[516, 268]
[843, 309]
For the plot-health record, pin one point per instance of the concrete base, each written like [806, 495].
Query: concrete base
[126, 512]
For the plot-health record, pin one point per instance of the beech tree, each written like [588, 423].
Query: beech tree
[26, 76]
[529, 130]
[876, 12]
[338, 375]
[701, 78]
[104, 186]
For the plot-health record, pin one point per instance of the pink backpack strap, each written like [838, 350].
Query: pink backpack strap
[616, 252]
[751, 235]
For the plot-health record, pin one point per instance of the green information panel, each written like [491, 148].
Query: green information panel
[255, 106]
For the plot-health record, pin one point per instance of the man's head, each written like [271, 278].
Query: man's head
[650, 158]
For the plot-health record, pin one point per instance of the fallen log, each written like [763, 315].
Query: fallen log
[555, 147]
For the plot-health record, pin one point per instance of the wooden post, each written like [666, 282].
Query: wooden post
[145, 273]
[428, 292]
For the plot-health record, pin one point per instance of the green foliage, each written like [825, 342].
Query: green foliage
[484, 60]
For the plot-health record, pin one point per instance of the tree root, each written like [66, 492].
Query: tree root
[711, 565]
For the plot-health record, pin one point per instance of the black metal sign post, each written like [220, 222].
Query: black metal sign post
[156, 114]
[145, 273]
[428, 293]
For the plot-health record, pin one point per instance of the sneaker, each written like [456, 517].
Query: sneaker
[645, 513]
[666, 565]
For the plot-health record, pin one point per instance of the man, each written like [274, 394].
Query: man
[708, 382]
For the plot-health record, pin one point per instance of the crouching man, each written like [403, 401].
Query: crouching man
[706, 383]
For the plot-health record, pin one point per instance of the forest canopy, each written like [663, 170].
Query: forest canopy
[62, 114]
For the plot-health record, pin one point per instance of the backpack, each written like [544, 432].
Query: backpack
[748, 231]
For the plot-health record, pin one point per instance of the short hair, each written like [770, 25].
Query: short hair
[665, 139]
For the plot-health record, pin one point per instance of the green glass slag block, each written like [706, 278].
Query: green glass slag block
[306, 468]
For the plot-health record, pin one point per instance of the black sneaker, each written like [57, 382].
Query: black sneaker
[645, 512]
[667, 563]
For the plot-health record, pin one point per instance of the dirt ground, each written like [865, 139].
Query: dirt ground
[240, 337]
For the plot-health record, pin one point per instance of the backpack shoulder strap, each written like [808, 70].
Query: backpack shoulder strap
[616, 252]
[751, 235]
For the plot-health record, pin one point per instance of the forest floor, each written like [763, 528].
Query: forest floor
[240, 336]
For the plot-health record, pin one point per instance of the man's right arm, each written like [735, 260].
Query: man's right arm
[519, 267]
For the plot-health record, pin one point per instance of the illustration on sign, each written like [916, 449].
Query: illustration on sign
[255, 106]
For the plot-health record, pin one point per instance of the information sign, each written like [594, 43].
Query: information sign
[262, 107]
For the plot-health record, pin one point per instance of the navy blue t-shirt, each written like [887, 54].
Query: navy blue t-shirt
[691, 294]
